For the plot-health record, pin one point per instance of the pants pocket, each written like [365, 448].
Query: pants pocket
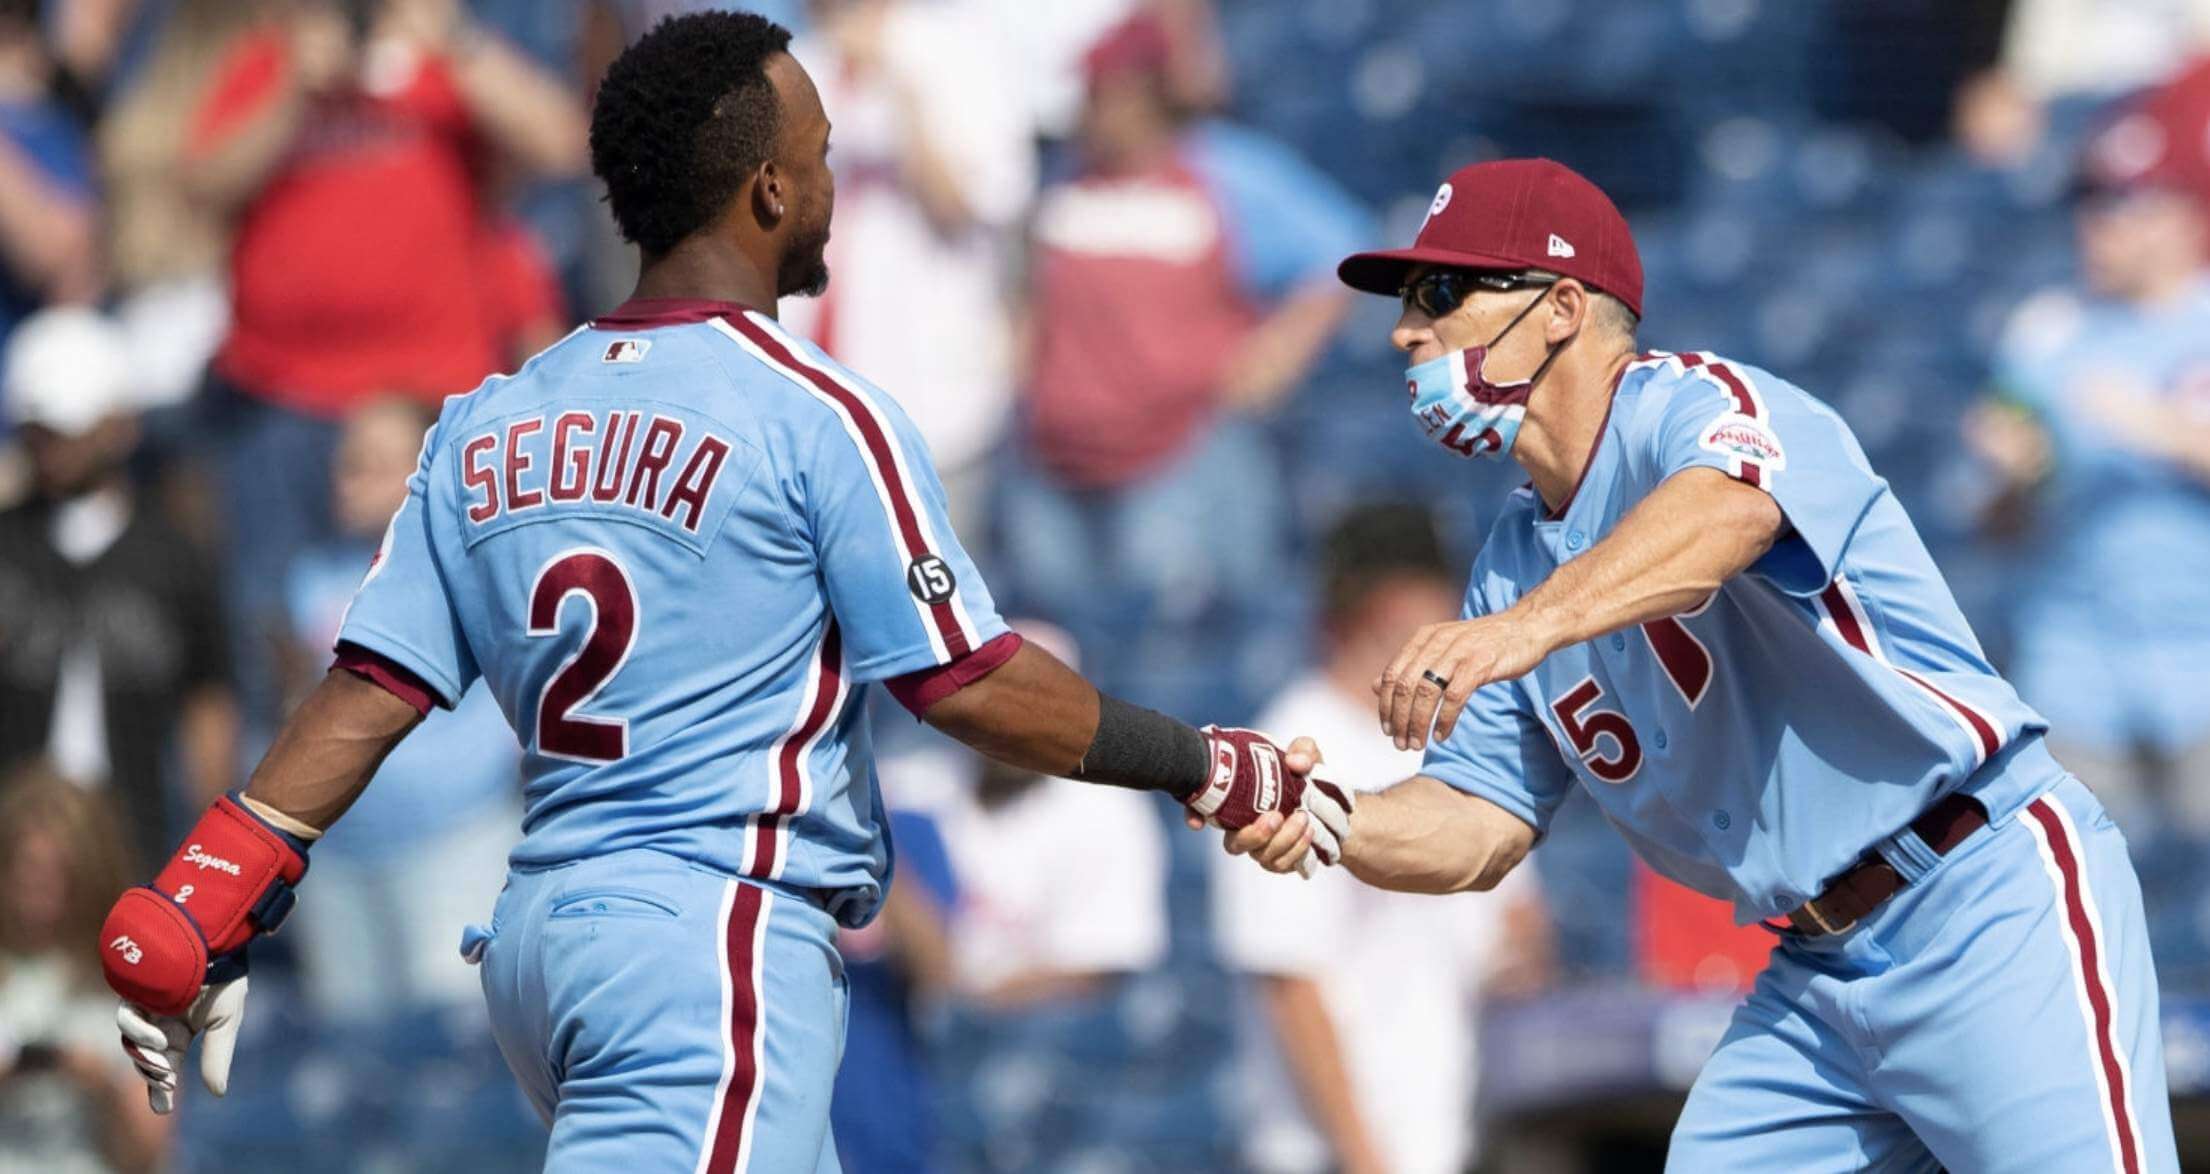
[615, 902]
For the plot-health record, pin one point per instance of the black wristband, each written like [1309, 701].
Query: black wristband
[1144, 750]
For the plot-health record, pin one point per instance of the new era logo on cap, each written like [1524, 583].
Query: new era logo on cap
[1559, 246]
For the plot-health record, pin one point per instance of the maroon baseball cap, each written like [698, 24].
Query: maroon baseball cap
[1515, 214]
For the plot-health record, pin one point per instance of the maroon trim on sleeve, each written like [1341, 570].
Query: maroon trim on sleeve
[918, 691]
[396, 678]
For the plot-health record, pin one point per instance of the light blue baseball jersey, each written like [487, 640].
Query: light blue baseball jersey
[2112, 605]
[1750, 748]
[674, 545]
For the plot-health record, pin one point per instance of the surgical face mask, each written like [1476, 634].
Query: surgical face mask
[1458, 408]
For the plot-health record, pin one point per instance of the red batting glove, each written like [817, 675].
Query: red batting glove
[232, 879]
[1249, 779]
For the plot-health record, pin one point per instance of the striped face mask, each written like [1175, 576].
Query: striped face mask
[1460, 409]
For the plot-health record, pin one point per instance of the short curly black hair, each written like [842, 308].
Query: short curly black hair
[682, 117]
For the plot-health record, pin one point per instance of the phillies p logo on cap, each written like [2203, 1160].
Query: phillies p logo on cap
[1442, 201]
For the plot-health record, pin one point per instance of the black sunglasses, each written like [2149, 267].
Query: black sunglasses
[1439, 292]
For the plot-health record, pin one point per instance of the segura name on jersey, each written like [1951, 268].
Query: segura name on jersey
[644, 464]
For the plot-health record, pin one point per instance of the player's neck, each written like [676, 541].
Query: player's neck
[704, 268]
[1564, 420]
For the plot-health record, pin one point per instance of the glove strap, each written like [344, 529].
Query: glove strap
[1220, 774]
[234, 874]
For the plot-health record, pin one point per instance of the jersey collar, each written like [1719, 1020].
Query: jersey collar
[646, 313]
[1595, 447]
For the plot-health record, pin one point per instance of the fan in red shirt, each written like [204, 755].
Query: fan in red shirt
[357, 264]
[358, 146]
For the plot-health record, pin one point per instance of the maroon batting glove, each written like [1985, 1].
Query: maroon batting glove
[1250, 778]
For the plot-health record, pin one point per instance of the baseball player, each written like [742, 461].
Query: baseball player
[1708, 610]
[674, 546]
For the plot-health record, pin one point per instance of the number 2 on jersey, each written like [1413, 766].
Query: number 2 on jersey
[562, 732]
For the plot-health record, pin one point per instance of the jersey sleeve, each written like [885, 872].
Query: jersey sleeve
[403, 611]
[1764, 432]
[904, 591]
[1500, 750]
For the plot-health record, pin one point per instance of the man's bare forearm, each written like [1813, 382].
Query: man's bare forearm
[526, 112]
[1424, 836]
[1314, 1051]
[1697, 530]
[329, 749]
[1031, 712]
[1034, 713]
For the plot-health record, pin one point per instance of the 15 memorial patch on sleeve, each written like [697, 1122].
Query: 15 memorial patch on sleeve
[930, 579]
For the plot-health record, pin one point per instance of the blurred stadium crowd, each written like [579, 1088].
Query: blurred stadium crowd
[247, 245]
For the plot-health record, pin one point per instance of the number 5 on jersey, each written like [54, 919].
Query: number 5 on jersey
[595, 576]
[1585, 728]
[1687, 663]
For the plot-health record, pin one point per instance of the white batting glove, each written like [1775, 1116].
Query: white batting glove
[156, 1043]
[1327, 806]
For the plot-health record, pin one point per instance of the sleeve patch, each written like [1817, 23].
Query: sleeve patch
[1742, 438]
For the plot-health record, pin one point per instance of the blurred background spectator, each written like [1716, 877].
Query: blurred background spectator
[358, 148]
[111, 624]
[2056, 49]
[47, 212]
[1089, 244]
[167, 232]
[884, 1112]
[935, 164]
[424, 850]
[1060, 886]
[1370, 1000]
[1181, 283]
[70, 1102]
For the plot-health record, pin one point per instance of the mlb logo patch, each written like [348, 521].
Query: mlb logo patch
[626, 350]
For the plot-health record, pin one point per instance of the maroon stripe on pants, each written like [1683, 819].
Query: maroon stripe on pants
[2090, 963]
[880, 457]
[744, 1027]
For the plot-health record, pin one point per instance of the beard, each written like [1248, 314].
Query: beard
[805, 267]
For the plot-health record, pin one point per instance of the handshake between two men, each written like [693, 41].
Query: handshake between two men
[1271, 802]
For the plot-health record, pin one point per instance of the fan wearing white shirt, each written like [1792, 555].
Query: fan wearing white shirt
[934, 153]
[1369, 1000]
[1061, 885]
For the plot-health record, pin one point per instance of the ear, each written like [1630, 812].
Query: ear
[770, 195]
[1570, 308]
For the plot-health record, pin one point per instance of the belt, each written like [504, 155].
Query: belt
[1872, 879]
